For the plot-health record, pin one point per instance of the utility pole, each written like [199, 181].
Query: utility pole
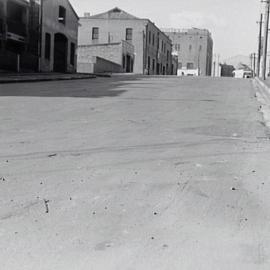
[266, 26]
[259, 46]
[214, 69]
[254, 65]
[218, 67]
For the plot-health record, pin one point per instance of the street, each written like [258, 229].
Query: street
[134, 173]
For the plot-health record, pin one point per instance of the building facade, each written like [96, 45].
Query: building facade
[194, 48]
[174, 64]
[226, 70]
[153, 49]
[59, 36]
[19, 35]
[38, 35]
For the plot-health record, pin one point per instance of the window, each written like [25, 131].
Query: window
[95, 33]
[129, 34]
[190, 66]
[47, 46]
[200, 48]
[149, 63]
[190, 47]
[153, 41]
[72, 53]
[153, 65]
[62, 15]
[149, 37]
[168, 54]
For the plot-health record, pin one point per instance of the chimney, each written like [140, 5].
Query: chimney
[87, 14]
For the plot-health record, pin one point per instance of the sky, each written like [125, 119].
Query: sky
[231, 22]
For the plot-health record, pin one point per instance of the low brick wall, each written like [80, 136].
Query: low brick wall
[99, 65]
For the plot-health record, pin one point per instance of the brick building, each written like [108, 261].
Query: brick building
[59, 36]
[195, 50]
[38, 35]
[153, 49]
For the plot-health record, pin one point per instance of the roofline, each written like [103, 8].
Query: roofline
[111, 10]
[126, 19]
[72, 8]
[189, 31]
[160, 29]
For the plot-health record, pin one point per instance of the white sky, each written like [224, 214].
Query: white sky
[232, 22]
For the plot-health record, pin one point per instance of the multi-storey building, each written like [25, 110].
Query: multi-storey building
[17, 28]
[59, 36]
[153, 49]
[195, 50]
[38, 35]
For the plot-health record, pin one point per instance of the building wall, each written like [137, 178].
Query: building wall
[18, 36]
[158, 52]
[52, 26]
[20, 40]
[99, 65]
[193, 46]
[114, 30]
[174, 65]
[103, 65]
[2, 22]
[111, 31]
[227, 70]
[111, 52]
[117, 53]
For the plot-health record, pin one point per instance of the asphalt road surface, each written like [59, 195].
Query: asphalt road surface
[134, 173]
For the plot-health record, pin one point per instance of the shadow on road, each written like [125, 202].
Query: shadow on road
[97, 88]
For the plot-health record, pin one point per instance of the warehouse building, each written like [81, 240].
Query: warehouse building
[152, 48]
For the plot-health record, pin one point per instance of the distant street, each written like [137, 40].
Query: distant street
[134, 173]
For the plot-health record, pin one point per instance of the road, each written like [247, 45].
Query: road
[134, 173]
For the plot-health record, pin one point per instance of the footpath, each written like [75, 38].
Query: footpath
[263, 96]
[39, 77]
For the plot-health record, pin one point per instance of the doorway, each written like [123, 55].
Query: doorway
[60, 53]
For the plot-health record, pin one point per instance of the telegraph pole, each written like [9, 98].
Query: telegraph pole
[266, 26]
[254, 65]
[214, 68]
[259, 46]
[218, 68]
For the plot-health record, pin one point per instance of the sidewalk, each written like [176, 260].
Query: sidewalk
[38, 77]
[263, 96]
